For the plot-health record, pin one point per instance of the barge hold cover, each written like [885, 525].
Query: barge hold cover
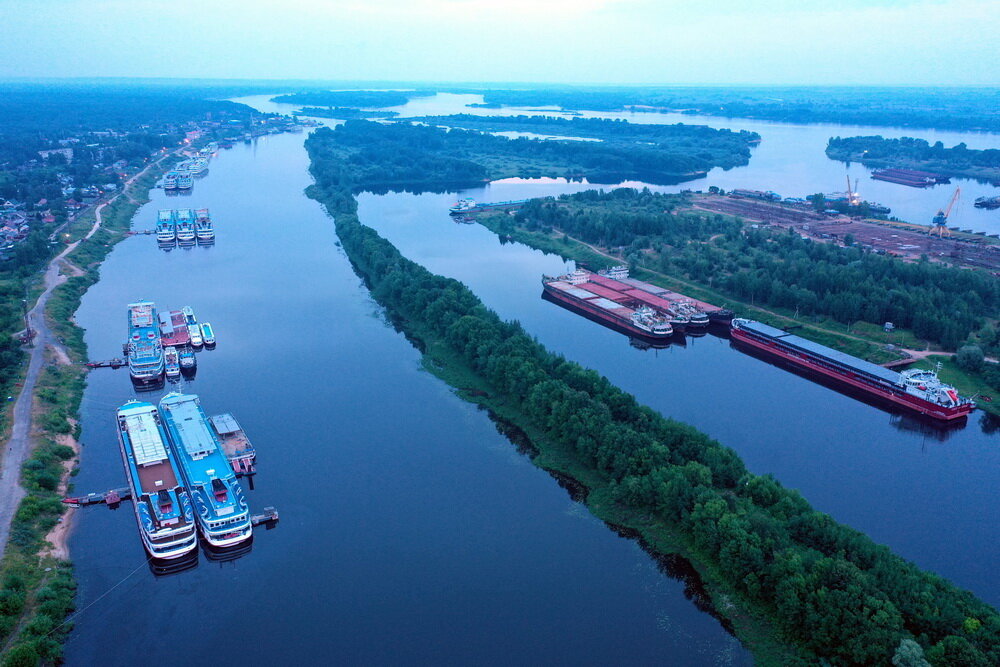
[841, 358]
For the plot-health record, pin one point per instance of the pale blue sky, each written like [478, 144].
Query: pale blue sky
[563, 41]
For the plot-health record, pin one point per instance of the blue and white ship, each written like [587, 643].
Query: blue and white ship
[166, 230]
[185, 226]
[143, 346]
[162, 506]
[221, 509]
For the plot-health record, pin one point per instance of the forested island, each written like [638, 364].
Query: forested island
[345, 113]
[798, 587]
[722, 148]
[351, 98]
[910, 153]
[401, 155]
[944, 108]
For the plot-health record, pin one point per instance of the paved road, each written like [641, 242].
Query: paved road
[19, 445]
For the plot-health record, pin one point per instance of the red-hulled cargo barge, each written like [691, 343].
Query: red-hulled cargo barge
[636, 320]
[918, 390]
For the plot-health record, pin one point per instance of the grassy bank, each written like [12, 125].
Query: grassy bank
[38, 588]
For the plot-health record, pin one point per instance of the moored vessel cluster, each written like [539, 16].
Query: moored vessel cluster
[637, 308]
[184, 227]
[163, 343]
[182, 477]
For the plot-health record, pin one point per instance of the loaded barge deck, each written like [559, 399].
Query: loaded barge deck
[641, 310]
[914, 389]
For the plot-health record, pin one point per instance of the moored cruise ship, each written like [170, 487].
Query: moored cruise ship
[165, 228]
[203, 227]
[161, 504]
[221, 509]
[915, 389]
[143, 347]
[170, 180]
[185, 226]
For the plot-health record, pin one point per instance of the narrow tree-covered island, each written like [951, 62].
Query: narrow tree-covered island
[798, 587]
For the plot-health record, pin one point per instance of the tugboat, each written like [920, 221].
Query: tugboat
[987, 202]
[172, 362]
[189, 362]
[462, 206]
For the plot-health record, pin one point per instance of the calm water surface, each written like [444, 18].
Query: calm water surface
[926, 492]
[789, 160]
[411, 531]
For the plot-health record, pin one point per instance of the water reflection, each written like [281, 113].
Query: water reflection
[165, 568]
[672, 565]
[227, 554]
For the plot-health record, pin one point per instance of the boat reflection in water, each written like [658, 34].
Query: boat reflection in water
[224, 554]
[165, 568]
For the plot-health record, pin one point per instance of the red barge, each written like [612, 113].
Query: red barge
[915, 389]
[576, 293]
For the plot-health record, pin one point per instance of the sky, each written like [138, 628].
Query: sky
[810, 42]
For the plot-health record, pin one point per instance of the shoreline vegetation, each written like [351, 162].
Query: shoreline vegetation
[833, 295]
[909, 153]
[797, 587]
[418, 157]
[38, 586]
[963, 109]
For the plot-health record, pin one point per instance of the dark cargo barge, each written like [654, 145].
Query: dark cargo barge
[914, 389]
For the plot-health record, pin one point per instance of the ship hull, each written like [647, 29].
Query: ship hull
[852, 381]
[596, 314]
[185, 544]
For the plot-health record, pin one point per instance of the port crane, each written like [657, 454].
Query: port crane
[853, 198]
[940, 221]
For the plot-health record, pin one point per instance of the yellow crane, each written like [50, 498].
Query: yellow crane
[940, 221]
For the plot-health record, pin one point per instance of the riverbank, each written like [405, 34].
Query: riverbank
[36, 570]
[751, 532]
[861, 339]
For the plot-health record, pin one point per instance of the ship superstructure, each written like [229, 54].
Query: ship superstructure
[204, 230]
[221, 509]
[143, 347]
[165, 226]
[185, 226]
[915, 389]
[161, 503]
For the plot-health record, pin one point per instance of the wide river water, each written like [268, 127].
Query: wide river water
[411, 530]
[789, 160]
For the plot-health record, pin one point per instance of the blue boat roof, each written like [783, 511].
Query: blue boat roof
[822, 350]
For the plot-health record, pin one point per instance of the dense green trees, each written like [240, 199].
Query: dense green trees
[717, 148]
[828, 590]
[400, 155]
[911, 153]
[351, 98]
[766, 267]
[946, 108]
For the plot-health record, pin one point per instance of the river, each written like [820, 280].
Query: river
[411, 530]
[789, 160]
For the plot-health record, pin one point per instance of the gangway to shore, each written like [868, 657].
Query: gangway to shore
[109, 497]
